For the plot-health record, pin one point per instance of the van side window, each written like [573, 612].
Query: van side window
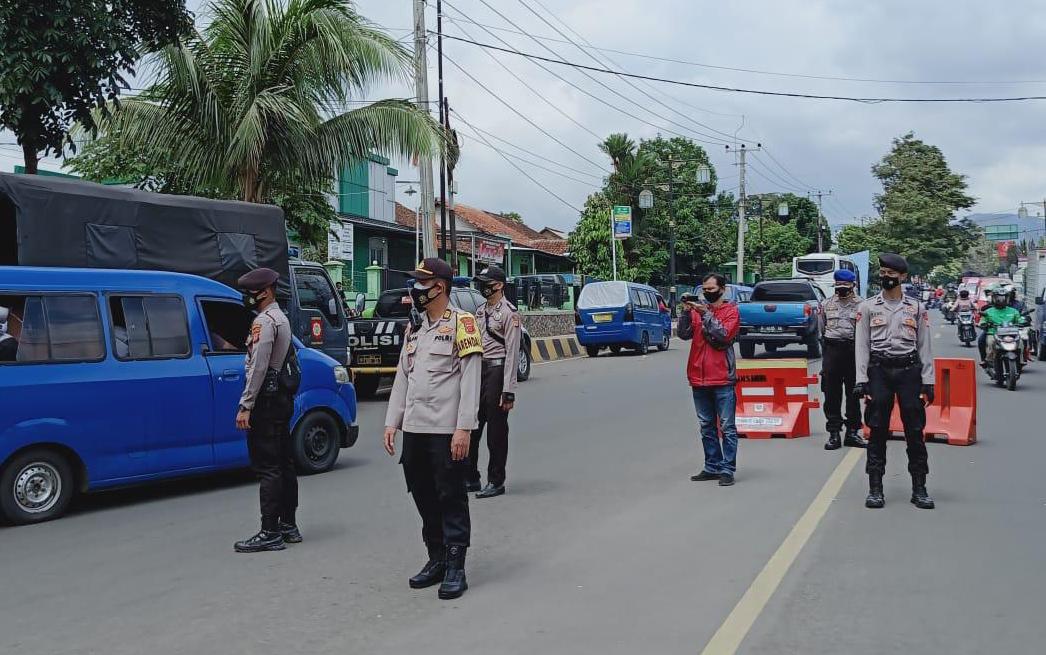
[315, 292]
[149, 327]
[55, 328]
[636, 297]
[228, 325]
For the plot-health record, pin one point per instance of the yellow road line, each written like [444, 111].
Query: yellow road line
[734, 629]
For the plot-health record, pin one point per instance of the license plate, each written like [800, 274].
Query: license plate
[369, 360]
[602, 318]
[771, 328]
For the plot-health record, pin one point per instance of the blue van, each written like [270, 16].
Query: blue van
[619, 315]
[123, 377]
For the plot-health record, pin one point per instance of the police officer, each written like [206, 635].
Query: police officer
[894, 359]
[265, 413]
[502, 331]
[435, 401]
[838, 368]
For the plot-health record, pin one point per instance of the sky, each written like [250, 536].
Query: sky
[980, 49]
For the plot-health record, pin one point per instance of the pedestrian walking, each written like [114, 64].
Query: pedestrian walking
[265, 411]
[894, 360]
[712, 324]
[435, 401]
[502, 331]
[838, 366]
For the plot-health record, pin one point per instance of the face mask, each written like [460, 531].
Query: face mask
[712, 296]
[422, 296]
[488, 289]
[842, 292]
[251, 300]
[999, 302]
[888, 282]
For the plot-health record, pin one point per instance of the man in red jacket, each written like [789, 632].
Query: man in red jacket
[712, 326]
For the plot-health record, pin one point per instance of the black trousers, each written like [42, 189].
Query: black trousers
[495, 420]
[883, 385]
[838, 377]
[437, 484]
[271, 452]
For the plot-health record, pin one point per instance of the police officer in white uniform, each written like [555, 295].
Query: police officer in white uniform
[838, 368]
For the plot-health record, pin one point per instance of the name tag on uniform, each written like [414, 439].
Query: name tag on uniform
[878, 321]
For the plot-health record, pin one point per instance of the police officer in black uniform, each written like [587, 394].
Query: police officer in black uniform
[894, 360]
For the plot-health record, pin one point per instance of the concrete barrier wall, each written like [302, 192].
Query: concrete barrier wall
[550, 323]
[550, 349]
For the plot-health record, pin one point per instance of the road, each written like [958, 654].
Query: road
[602, 545]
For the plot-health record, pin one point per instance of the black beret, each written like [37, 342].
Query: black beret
[491, 274]
[894, 261]
[433, 267]
[258, 280]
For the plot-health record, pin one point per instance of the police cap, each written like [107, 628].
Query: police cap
[258, 280]
[491, 274]
[893, 261]
[843, 275]
[433, 267]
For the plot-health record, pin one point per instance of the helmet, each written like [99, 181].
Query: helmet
[999, 295]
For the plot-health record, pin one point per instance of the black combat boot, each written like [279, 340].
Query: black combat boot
[454, 583]
[432, 572]
[833, 442]
[263, 541]
[920, 498]
[875, 499]
[291, 533]
[854, 439]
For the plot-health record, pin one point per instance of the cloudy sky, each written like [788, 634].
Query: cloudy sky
[981, 49]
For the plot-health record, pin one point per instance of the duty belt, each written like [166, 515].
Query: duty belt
[494, 362]
[839, 342]
[895, 361]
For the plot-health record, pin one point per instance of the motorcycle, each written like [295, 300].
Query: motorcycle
[1026, 355]
[1004, 360]
[949, 312]
[967, 333]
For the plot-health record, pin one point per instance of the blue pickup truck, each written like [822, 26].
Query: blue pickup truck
[781, 312]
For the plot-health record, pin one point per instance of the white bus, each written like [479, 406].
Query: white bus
[820, 268]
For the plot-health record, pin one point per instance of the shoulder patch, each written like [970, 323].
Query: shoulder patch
[515, 320]
[255, 333]
[467, 339]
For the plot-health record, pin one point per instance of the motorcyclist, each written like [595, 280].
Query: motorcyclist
[950, 295]
[997, 314]
[964, 303]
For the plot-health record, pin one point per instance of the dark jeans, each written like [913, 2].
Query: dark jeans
[496, 421]
[838, 376]
[271, 453]
[437, 484]
[982, 344]
[883, 385]
[715, 412]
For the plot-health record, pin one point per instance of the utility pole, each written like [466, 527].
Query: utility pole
[820, 218]
[421, 84]
[443, 125]
[671, 234]
[742, 151]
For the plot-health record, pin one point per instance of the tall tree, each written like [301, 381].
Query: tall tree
[590, 241]
[253, 106]
[62, 59]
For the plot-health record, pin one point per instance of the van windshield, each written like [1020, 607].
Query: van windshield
[603, 294]
[815, 266]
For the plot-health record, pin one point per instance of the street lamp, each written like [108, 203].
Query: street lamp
[646, 199]
[1022, 213]
[703, 174]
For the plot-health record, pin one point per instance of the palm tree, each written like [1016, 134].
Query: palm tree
[257, 103]
[619, 148]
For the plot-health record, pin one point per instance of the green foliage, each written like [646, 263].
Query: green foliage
[252, 107]
[590, 242]
[802, 211]
[1011, 255]
[62, 59]
[782, 242]
[981, 257]
[944, 273]
[515, 216]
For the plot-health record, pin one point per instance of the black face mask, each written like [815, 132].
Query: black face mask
[843, 292]
[889, 282]
[422, 296]
[712, 296]
[251, 300]
[487, 289]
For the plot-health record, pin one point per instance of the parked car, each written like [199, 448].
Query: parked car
[619, 315]
[542, 290]
[125, 377]
[781, 312]
[376, 342]
[736, 293]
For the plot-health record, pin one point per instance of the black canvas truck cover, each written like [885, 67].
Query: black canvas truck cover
[66, 222]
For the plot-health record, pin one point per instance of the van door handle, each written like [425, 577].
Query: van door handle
[229, 375]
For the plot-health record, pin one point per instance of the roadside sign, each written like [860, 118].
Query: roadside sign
[622, 221]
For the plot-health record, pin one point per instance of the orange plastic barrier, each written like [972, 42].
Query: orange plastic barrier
[773, 398]
[953, 414]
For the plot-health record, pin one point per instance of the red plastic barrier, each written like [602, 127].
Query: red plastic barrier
[773, 398]
[953, 414]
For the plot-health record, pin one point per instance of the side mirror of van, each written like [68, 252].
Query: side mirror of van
[361, 303]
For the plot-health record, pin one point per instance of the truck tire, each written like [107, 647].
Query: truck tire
[366, 386]
[747, 349]
[770, 348]
[615, 350]
[592, 351]
[37, 486]
[317, 442]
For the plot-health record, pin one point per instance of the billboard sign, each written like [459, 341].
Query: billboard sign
[621, 219]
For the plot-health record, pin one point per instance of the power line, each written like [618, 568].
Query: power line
[479, 139]
[763, 92]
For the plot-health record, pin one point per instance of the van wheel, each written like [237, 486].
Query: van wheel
[770, 347]
[644, 344]
[615, 350]
[316, 443]
[36, 486]
[592, 351]
[367, 385]
[665, 341]
[747, 349]
[523, 365]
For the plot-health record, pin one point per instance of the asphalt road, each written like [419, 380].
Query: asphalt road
[602, 545]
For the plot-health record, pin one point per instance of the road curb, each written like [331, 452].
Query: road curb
[550, 349]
